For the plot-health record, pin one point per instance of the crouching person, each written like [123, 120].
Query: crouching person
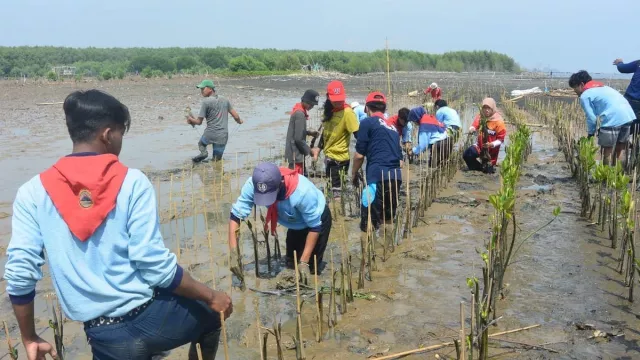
[496, 131]
[295, 203]
[98, 223]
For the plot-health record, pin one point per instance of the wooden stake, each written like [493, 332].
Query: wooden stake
[224, 336]
[463, 341]
[12, 351]
[318, 304]
[199, 350]
[298, 315]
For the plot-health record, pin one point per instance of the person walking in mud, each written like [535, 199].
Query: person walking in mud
[296, 147]
[431, 135]
[339, 123]
[109, 265]
[496, 132]
[614, 111]
[292, 201]
[378, 143]
[215, 109]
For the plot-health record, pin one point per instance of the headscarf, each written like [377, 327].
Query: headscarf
[490, 102]
[416, 114]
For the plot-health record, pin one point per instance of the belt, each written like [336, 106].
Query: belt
[107, 320]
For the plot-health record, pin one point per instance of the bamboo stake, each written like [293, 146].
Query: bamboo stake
[463, 343]
[318, 299]
[199, 350]
[224, 336]
[298, 315]
[263, 354]
[13, 352]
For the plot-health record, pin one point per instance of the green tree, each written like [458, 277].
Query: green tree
[185, 62]
[106, 75]
[214, 59]
[51, 75]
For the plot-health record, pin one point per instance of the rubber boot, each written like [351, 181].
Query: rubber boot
[203, 153]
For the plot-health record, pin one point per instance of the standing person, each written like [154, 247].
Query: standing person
[339, 123]
[496, 131]
[359, 110]
[379, 143]
[216, 110]
[98, 223]
[433, 90]
[431, 135]
[633, 90]
[295, 203]
[296, 147]
[613, 110]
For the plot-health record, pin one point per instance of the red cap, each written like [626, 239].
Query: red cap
[336, 92]
[376, 96]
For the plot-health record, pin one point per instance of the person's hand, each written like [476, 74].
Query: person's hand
[37, 348]
[472, 130]
[240, 121]
[408, 146]
[487, 145]
[234, 262]
[313, 133]
[401, 164]
[305, 272]
[220, 302]
[315, 152]
[617, 61]
[189, 121]
[355, 179]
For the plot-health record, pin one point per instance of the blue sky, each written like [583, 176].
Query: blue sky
[564, 35]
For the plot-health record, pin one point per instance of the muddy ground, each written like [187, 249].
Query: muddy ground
[564, 275]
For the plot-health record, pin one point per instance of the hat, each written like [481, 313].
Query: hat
[335, 89]
[355, 104]
[266, 183]
[311, 97]
[376, 96]
[206, 83]
[434, 86]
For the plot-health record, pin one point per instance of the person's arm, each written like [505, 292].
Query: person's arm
[628, 68]
[590, 115]
[241, 209]
[424, 138]
[501, 134]
[300, 133]
[406, 132]
[476, 124]
[201, 116]
[351, 122]
[235, 115]
[311, 209]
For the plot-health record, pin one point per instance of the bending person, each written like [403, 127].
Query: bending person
[431, 135]
[403, 126]
[496, 131]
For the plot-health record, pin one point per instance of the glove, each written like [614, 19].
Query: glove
[304, 272]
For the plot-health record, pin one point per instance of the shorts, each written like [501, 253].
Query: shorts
[380, 213]
[610, 136]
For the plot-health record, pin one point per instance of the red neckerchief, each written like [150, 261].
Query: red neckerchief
[290, 178]
[299, 107]
[378, 114]
[592, 84]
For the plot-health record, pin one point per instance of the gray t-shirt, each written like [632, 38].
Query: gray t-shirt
[216, 110]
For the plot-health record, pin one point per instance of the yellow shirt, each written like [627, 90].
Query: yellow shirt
[337, 134]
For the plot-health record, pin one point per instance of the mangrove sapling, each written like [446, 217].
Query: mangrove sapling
[56, 322]
[254, 237]
[587, 151]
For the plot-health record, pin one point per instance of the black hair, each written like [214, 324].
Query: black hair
[403, 113]
[377, 106]
[581, 77]
[89, 111]
[328, 110]
[440, 103]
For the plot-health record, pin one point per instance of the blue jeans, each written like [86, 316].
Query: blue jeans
[217, 149]
[170, 321]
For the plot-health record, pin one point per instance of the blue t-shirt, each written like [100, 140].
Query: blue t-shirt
[380, 144]
[633, 91]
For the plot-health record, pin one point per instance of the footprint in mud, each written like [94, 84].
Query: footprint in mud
[463, 185]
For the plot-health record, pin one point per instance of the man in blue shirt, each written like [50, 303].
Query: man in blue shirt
[97, 220]
[359, 110]
[633, 90]
[379, 143]
[613, 110]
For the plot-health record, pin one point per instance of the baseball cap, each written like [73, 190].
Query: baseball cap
[206, 83]
[335, 89]
[266, 183]
[311, 97]
[376, 96]
[355, 104]
[434, 85]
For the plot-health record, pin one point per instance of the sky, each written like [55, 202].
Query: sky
[561, 35]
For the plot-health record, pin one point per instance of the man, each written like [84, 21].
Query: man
[296, 147]
[216, 110]
[633, 90]
[403, 126]
[379, 143]
[450, 118]
[295, 203]
[613, 110]
[359, 110]
[433, 90]
[339, 123]
[431, 134]
[98, 222]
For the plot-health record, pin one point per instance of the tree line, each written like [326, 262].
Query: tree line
[149, 62]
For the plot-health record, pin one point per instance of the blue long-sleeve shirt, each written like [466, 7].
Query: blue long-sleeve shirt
[608, 104]
[449, 117]
[114, 271]
[359, 110]
[302, 210]
[633, 91]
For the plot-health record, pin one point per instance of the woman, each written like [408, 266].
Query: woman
[496, 131]
[339, 122]
[431, 134]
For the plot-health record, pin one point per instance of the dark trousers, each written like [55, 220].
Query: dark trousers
[333, 169]
[297, 239]
[470, 157]
[378, 212]
[170, 321]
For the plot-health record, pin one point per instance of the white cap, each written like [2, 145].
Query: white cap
[434, 86]
[355, 104]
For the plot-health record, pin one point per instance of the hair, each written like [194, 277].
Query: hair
[403, 114]
[87, 112]
[581, 77]
[440, 103]
[328, 110]
[377, 106]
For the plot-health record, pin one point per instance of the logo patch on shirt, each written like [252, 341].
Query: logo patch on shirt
[84, 198]
[262, 187]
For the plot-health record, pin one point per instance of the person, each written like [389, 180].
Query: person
[339, 123]
[431, 135]
[496, 133]
[633, 90]
[613, 110]
[98, 223]
[295, 203]
[216, 110]
[403, 126]
[435, 92]
[359, 110]
[296, 147]
[450, 118]
[379, 143]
